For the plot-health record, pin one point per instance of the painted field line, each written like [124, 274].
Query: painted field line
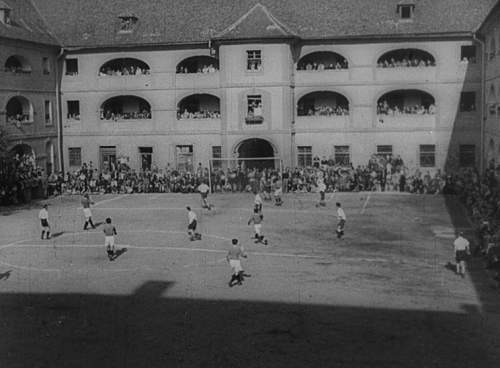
[179, 249]
[365, 204]
[249, 210]
[108, 200]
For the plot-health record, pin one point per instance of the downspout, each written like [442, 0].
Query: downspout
[483, 99]
[59, 112]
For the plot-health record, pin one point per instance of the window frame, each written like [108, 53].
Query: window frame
[46, 65]
[463, 48]
[68, 102]
[381, 152]
[304, 156]
[426, 153]
[337, 152]
[71, 152]
[47, 111]
[66, 62]
[461, 104]
[179, 154]
[462, 155]
[254, 59]
[254, 119]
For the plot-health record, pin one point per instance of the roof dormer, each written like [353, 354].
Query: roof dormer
[4, 13]
[406, 10]
[128, 22]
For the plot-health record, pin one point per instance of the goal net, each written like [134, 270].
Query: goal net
[228, 166]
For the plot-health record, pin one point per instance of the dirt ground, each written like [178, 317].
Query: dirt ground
[384, 296]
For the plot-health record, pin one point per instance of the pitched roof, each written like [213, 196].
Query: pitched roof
[257, 23]
[95, 23]
[26, 23]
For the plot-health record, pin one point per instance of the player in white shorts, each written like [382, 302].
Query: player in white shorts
[234, 258]
[256, 220]
[43, 216]
[204, 189]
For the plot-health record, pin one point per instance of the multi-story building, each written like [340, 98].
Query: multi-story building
[178, 82]
[489, 33]
[28, 74]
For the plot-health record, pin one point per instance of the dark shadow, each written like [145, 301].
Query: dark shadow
[5, 276]
[58, 234]
[451, 267]
[118, 253]
[97, 224]
[151, 329]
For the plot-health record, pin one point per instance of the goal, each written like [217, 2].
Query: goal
[228, 164]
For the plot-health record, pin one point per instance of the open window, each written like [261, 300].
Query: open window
[406, 102]
[199, 106]
[124, 66]
[403, 58]
[322, 60]
[125, 108]
[198, 64]
[323, 103]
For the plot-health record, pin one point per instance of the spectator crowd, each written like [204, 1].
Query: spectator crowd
[120, 70]
[384, 108]
[405, 62]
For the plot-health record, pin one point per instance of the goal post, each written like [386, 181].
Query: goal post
[232, 163]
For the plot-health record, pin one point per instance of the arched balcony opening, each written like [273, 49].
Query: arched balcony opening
[124, 66]
[323, 103]
[125, 108]
[17, 64]
[406, 102]
[24, 151]
[199, 106]
[19, 110]
[198, 64]
[322, 60]
[405, 58]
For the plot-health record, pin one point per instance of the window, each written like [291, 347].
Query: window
[493, 50]
[342, 155]
[71, 66]
[216, 154]
[5, 14]
[427, 155]
[146, 154]
[127, 22]
[492, 109]
[406, 10]
[468, 101]
[254, 60]
[184, 156]
[107, 156]
[75, 156]
[254, 110]
[467, 155]
[384, 150]
[48, 112]
[73, 110]
[46, 65]
[468, 54]
[304, 156]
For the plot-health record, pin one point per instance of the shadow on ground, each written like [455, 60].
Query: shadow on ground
[149, 329]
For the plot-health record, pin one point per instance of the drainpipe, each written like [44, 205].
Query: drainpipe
[483, 98]
[59, 112]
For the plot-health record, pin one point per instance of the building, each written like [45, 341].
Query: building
[490, 37]
[157, 83]
[28, 74]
